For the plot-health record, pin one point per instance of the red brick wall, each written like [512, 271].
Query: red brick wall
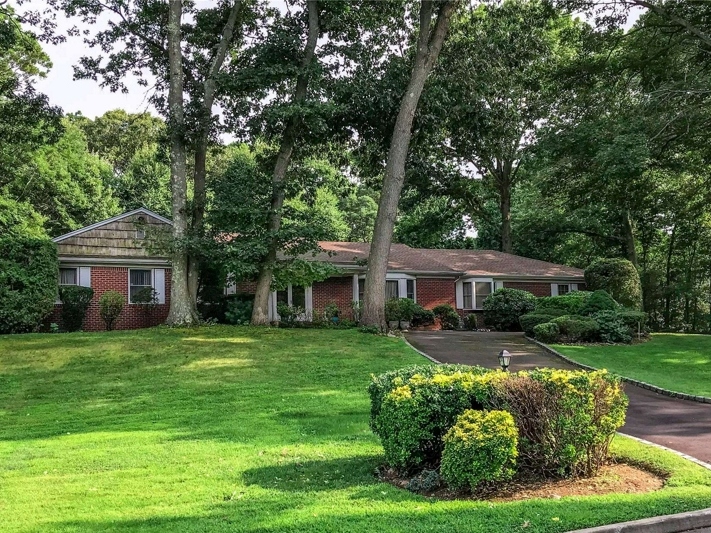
[432, 292]
[334, 290]
[536, 288]
[132, 316]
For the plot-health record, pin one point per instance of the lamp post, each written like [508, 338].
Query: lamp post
[504, 360]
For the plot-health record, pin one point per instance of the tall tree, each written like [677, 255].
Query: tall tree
[429, 41]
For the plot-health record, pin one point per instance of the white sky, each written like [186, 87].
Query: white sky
[86, 95]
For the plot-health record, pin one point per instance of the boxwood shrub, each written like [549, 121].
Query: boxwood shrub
[619, 278]
[504, 307]
[577, 328]
[531, 320]
[548, 332]
[570, 303]
[599, 300]
[481, 447]
[28, 282]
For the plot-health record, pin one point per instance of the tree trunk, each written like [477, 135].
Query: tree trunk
[505, 206]
[200, 172]
[628, 235]
[260, 311]
[428, 47]
[182, 307]
[667, 286]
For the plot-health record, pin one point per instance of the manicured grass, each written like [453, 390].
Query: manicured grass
[237, 429]
[678, 362]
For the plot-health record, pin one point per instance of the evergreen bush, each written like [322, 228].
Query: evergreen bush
[75, 302]
[504, 307]
[531, 320]
[547, 332]
[110, 306]
[599, 300]
[619, 278]
[447, 315]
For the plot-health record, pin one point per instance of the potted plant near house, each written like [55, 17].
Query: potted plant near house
[392, 313]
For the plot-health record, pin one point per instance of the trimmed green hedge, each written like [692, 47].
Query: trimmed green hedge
[504, 307]
[531, 320]
[548, 332]
[29, 274]
[619, 278]
[566, 304]
[577, 328]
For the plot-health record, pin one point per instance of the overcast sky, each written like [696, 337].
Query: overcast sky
[86, 95]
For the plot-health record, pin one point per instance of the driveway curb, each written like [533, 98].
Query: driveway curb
[641, 384]
[675, 523]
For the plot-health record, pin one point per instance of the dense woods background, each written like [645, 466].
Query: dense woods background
[537, 133]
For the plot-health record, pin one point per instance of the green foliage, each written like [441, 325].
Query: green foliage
[566, 419]
[75, 302]
[599, 300]
[424, 482]
[547, 332]
[619, 278]
[239, 310]
[20, 218]
[393, 312]
[331, 311]
[110, 306]
[471, 322]
[572, 303]
[408, 309]
[612, 327]
[577, 328]
[481, 447]
[289, 314]
[28, 282]
[636, 321]
[422, 317]
[447, 316]
[504, 307]
[531, 320]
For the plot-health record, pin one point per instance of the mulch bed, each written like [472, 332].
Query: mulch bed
[614, 478]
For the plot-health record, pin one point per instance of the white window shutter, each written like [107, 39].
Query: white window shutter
[309, 301]
[573, 287]
[402, 288]
[84, 276]
[459, 295]
[355, 288]
[554, 289]
[159, 284]
[498, 285]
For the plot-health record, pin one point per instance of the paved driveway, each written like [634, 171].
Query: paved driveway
[678, 424]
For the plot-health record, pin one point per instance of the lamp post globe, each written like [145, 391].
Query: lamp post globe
[504, 360]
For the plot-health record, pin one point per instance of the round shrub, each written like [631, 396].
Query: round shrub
[599, 300]
[636, 321]
[480, 447]
[239, 310]
[548, 332]
[471, 322]
[75, 302]
[612, 328]
[447, 315]
[29, 273]
[566, 304]
[504, 307]
[110, 306]
[619, 278]
[577, 328]
[531, 320]
[422, 317]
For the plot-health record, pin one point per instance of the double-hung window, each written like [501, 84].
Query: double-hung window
[474, 293]
[68, 276]
[559, 289]
[396, 286]
[293, 295]
[139, 282]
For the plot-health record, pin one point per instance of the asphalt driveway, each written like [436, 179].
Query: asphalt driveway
[677, 424]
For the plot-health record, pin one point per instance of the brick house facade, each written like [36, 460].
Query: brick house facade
[111, 255]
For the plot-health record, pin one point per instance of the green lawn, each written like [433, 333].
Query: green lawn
[681, 363]
[236, 429]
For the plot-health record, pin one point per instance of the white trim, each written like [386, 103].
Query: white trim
[498, 285]
[124, 262]
[159, 284]
[141, 210]
[128, 281]
[308, 302]
[84, 278]
[356, 292]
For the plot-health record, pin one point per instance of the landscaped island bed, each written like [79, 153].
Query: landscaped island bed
[673, 361]
[240, 429]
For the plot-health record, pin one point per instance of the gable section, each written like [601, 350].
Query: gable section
[116, 237]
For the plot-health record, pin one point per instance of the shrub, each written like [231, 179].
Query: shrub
[547, 332]
[239, 311]
[331, 312]
[531, 320]
[392, 310]
[422, 317]
[425, 481]
[447, 315]
[619, 278]
[289, 314]
[75, 302]
[480, 447]
[599, 300]
[504, 307]
[566, 304]
[636, 321]
[577, 328]
[566, 419]
[471, 322]
[110, 306]
[357, 309]
[28, 282]
[612, 328]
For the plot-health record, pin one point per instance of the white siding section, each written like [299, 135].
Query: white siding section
[459, 294]
[498, 285]
[159, 284]
[554, 289]
[84, 276]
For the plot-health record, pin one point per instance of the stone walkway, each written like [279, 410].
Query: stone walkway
[681, 425]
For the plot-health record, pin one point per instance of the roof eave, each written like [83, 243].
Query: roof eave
[141, 210]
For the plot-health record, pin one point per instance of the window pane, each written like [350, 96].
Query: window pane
[140, 278]
[563, 289]
[298, 297]
[411, 289]
[391, 290]
[482, 291]
[361, 289]
[67, 276]
[283, 297]
[467, 295]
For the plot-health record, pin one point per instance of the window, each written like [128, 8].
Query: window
[482, 290]
[410, 289]
[138, 281]
[467, 291]
[361, 289]
[563, 289]
[293, 295]
[391, 289]
[141, 230]
[68, 276]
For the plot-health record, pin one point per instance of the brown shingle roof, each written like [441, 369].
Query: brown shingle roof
[492, 263]
[457, 262]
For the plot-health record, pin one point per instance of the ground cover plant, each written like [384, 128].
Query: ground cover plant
[674, 361]
[227, 429]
